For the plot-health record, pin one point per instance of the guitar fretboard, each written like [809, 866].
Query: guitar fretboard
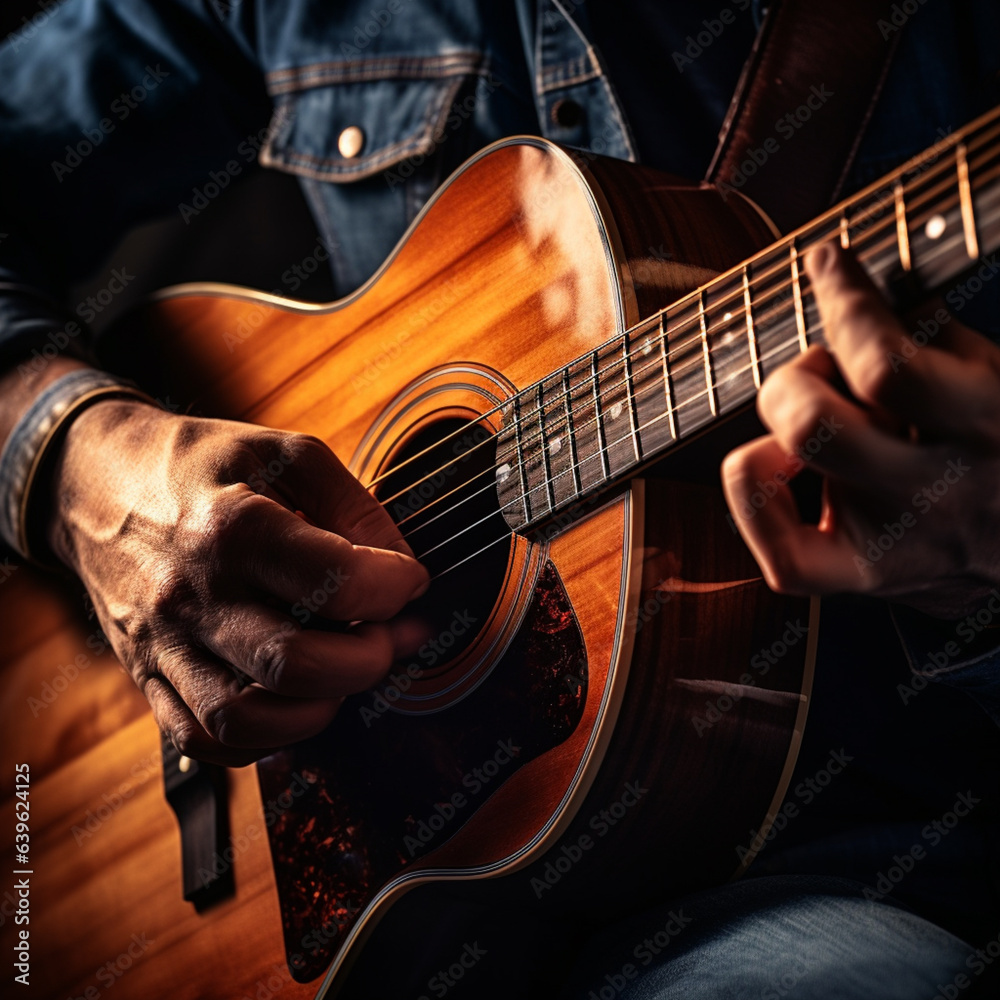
[639, 394]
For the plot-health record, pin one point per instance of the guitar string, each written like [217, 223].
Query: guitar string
[576, 466]
[642, 383]
[690, 344]
[770, 317]
[506, 536]
[974, 142]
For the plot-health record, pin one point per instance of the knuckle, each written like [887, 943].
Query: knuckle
[184, 736]
[218, 721]
[171, 593]
[271, 660]
[304, 449]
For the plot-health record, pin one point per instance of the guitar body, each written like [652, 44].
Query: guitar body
[592, 682]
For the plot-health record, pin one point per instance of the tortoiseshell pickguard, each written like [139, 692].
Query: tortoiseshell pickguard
[353, 807]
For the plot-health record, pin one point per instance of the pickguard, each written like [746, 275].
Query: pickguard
[366, 800]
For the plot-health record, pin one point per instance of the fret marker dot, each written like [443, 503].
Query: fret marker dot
[647, 347]
[555, 445]
[936, 225]
[616, 411]
[503, 473]
[727, 317]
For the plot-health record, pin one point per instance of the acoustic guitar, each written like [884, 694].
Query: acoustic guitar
[611, 702]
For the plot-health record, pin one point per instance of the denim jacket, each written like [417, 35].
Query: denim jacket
[113, 112]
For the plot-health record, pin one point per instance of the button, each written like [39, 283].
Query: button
[566, 113]
[350, 142]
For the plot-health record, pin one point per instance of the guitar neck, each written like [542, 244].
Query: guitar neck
[613, 410]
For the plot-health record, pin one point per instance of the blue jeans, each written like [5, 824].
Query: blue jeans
[801, 936]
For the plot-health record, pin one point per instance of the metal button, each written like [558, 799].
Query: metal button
[350, 142]
[566, 113]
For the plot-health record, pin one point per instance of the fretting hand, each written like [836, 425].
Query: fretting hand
[910, 454]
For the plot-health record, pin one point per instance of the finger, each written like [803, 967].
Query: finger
[316, 481]
[882, 364]
[297, 662]
[237, 715]
[177, 721]
[814, 422]
[302, 565]
[795, 558]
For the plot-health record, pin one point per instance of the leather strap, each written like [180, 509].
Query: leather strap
[801, 106]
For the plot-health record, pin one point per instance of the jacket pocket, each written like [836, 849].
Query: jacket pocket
[348, 120]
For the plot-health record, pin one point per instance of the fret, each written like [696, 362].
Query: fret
[774, 317]
[598, 418]
[845, 234]
[633, 415]
[556, 440]
[902, 233]
[653, 411]
[543, 446]
[528, 476]
[965, 199]
[722, 307]
[588, 448]
[800, 319]
[937, 242]
[615, 408]
[703, 325]
[512, 494]
[668, 396]
[692, 409]
[570, 435]
[751, 332]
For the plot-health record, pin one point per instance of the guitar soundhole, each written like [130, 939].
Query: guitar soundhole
[443, 497]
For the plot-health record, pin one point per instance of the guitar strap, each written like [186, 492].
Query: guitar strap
[801, 106]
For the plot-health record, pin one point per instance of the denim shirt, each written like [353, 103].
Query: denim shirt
[114, 112]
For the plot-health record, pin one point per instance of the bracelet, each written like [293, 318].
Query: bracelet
[34, 439]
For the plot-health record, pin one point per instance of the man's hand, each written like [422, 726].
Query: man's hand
[210, 585]
[910, 452]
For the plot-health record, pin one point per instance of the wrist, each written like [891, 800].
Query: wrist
[85, 472]
[33, 443]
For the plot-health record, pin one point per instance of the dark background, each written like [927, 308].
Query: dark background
[257, 229]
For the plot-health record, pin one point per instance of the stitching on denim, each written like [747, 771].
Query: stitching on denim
[287, 81]
[337, 171]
